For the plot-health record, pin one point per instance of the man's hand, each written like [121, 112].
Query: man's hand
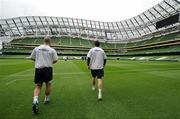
[88, 67]
[55, 61]
[27, 58]
[32, 59]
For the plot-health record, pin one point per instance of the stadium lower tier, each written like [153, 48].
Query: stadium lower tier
[85, 51]
[172, 58]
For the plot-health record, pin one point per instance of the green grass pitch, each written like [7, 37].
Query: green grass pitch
[131, 90]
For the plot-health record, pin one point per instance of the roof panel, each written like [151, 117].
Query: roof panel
[135, 27]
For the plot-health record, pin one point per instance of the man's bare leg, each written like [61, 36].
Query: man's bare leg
[100, 89]
[47, 92]
[37, 91]
[93, 83]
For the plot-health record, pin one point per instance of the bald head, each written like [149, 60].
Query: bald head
[47, 40]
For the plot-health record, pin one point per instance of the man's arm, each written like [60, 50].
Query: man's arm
[55, 57]
[88, 62]
[33, 55]
[105, 62]
[105, 59]
[88, 59]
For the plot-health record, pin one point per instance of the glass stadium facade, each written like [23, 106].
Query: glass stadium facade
[140, 26]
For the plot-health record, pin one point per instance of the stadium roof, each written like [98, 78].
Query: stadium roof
[135, 27]
[99, 10]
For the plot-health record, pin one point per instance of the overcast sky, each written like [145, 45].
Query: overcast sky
[103, 10]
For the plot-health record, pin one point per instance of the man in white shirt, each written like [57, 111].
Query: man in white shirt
[96, 62]
[44, 57]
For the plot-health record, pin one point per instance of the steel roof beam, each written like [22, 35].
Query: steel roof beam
[158, 12]
[171, 6]
[101, 29]
[69, 26]
[43, 25]
[119, 29]
[17, 27]
[129, 27]
[54, 25]
[164, 9]
[144, 23]
[64, 24]
[88, 34]
[60, 30]
[49, 27]
[96, 28]
[23, 26]
[35, 23]
[109, 30]
[135, 27]
[2, 32]
[91, 28]
[152, 14]
[149, 20]
[74, 26]
[139, 25]
[29, 24]
[9, 28]
[177, 1]
[124, 30]
[114, 30]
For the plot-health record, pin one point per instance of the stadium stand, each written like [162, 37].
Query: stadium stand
[166, 43]
[71, 36]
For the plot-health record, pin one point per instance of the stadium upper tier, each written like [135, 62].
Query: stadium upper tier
[140, 26]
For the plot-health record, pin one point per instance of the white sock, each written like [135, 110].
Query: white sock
[35, 99]
[100, 91]
[93, 86]
[47, 97]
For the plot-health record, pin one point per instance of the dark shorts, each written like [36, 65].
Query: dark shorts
[99, 73]
[43, 75]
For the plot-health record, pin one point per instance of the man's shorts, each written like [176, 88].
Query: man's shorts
[99, 73]
[43, 75]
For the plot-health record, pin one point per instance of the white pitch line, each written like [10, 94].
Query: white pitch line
[59, 74]
[12, 81]
[18, 73]
[67, 77]
[55, 74]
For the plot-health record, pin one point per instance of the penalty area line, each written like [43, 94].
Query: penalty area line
[12, 81]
